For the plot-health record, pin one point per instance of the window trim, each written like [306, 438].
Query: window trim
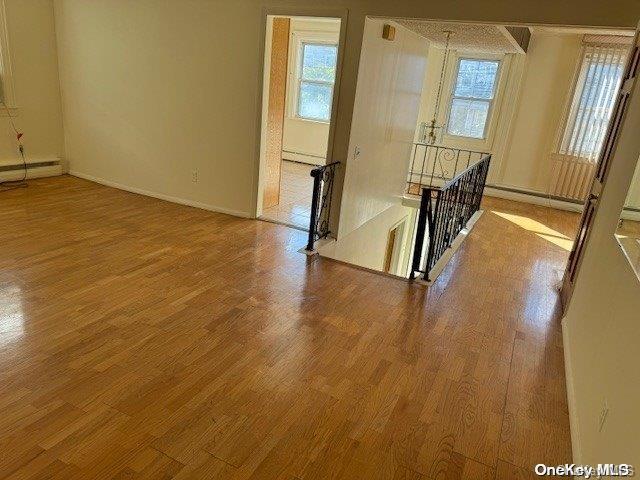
[572, 102]
[491, 101]
[300, 38]
[300, 81]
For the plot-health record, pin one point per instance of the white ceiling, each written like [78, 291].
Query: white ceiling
[485, 38]
[468, 37]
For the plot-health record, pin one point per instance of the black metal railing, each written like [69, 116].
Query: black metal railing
[444, 212]
[433, 165]
[323, 177]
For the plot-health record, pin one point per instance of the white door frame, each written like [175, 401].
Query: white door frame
[337, 13]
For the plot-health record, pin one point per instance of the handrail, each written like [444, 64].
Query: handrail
[431, 164]
[457, 177]
[444, 212]
[323, 177]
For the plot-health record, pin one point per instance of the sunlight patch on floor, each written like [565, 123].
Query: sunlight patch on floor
[539, 229]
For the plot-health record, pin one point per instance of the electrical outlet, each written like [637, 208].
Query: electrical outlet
[194, 176]
[604, 411]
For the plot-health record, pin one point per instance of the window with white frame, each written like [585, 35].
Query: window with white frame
[316, 76]
[474, 90]
[595, 92]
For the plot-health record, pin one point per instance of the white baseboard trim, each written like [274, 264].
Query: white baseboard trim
[303, 158]
[571, 402]
[531, 197]
[535, 198]
[630, 215]
[161, 196]
[523, 196]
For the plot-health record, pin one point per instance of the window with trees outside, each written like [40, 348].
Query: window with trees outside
[316, 77]
[472, 97]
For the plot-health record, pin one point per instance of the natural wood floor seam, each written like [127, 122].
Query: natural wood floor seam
[142, 339]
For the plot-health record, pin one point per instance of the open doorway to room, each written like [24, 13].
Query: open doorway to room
[502, 120]
[536, 100]
[301, 64]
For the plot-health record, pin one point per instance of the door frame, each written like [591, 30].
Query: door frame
[318, 12]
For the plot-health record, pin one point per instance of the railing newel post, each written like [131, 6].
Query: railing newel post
[323, 176]
[316, 173]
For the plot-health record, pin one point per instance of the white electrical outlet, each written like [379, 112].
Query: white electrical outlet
[604, 411]
[194, 176]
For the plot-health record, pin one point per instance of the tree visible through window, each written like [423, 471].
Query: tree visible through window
[317, 75]
[472, 97]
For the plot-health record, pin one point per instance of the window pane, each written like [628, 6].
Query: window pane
[476, 78]
[319, 62]
[315, 101]
[594, 108]
[468, 117]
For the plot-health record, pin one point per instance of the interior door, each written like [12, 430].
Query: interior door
[604, 163]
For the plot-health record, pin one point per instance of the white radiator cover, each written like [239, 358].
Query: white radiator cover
[571, 176]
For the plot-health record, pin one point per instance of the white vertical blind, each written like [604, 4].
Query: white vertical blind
[593, 100]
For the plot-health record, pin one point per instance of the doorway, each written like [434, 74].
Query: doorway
[299, 86]
[539, 99]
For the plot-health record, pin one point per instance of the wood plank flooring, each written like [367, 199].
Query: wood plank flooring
[141, 339]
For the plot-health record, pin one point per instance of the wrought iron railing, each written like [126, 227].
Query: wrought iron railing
[433, 165]
[444, 212]
[323, 177]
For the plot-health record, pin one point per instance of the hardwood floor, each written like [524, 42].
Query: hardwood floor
[143, 339]
[296, 188]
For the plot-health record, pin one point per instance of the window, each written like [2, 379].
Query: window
[595, 92]
[472, 97]
[316, 76]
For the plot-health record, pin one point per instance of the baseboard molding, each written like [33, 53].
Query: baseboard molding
[571, 402]
[303, 158]
[633, 215]
[523, 196]
[532, 197]
[160, 196]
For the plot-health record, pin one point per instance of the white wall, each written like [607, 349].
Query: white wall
[391, 72]
[602, 325]
[527, 112]
[305, 140]
[382, 130]
[367, 246]
[633, 198]
[550, 68]
[153, 89]
[32, 45]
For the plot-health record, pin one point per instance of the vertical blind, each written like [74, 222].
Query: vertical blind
[593, 100]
